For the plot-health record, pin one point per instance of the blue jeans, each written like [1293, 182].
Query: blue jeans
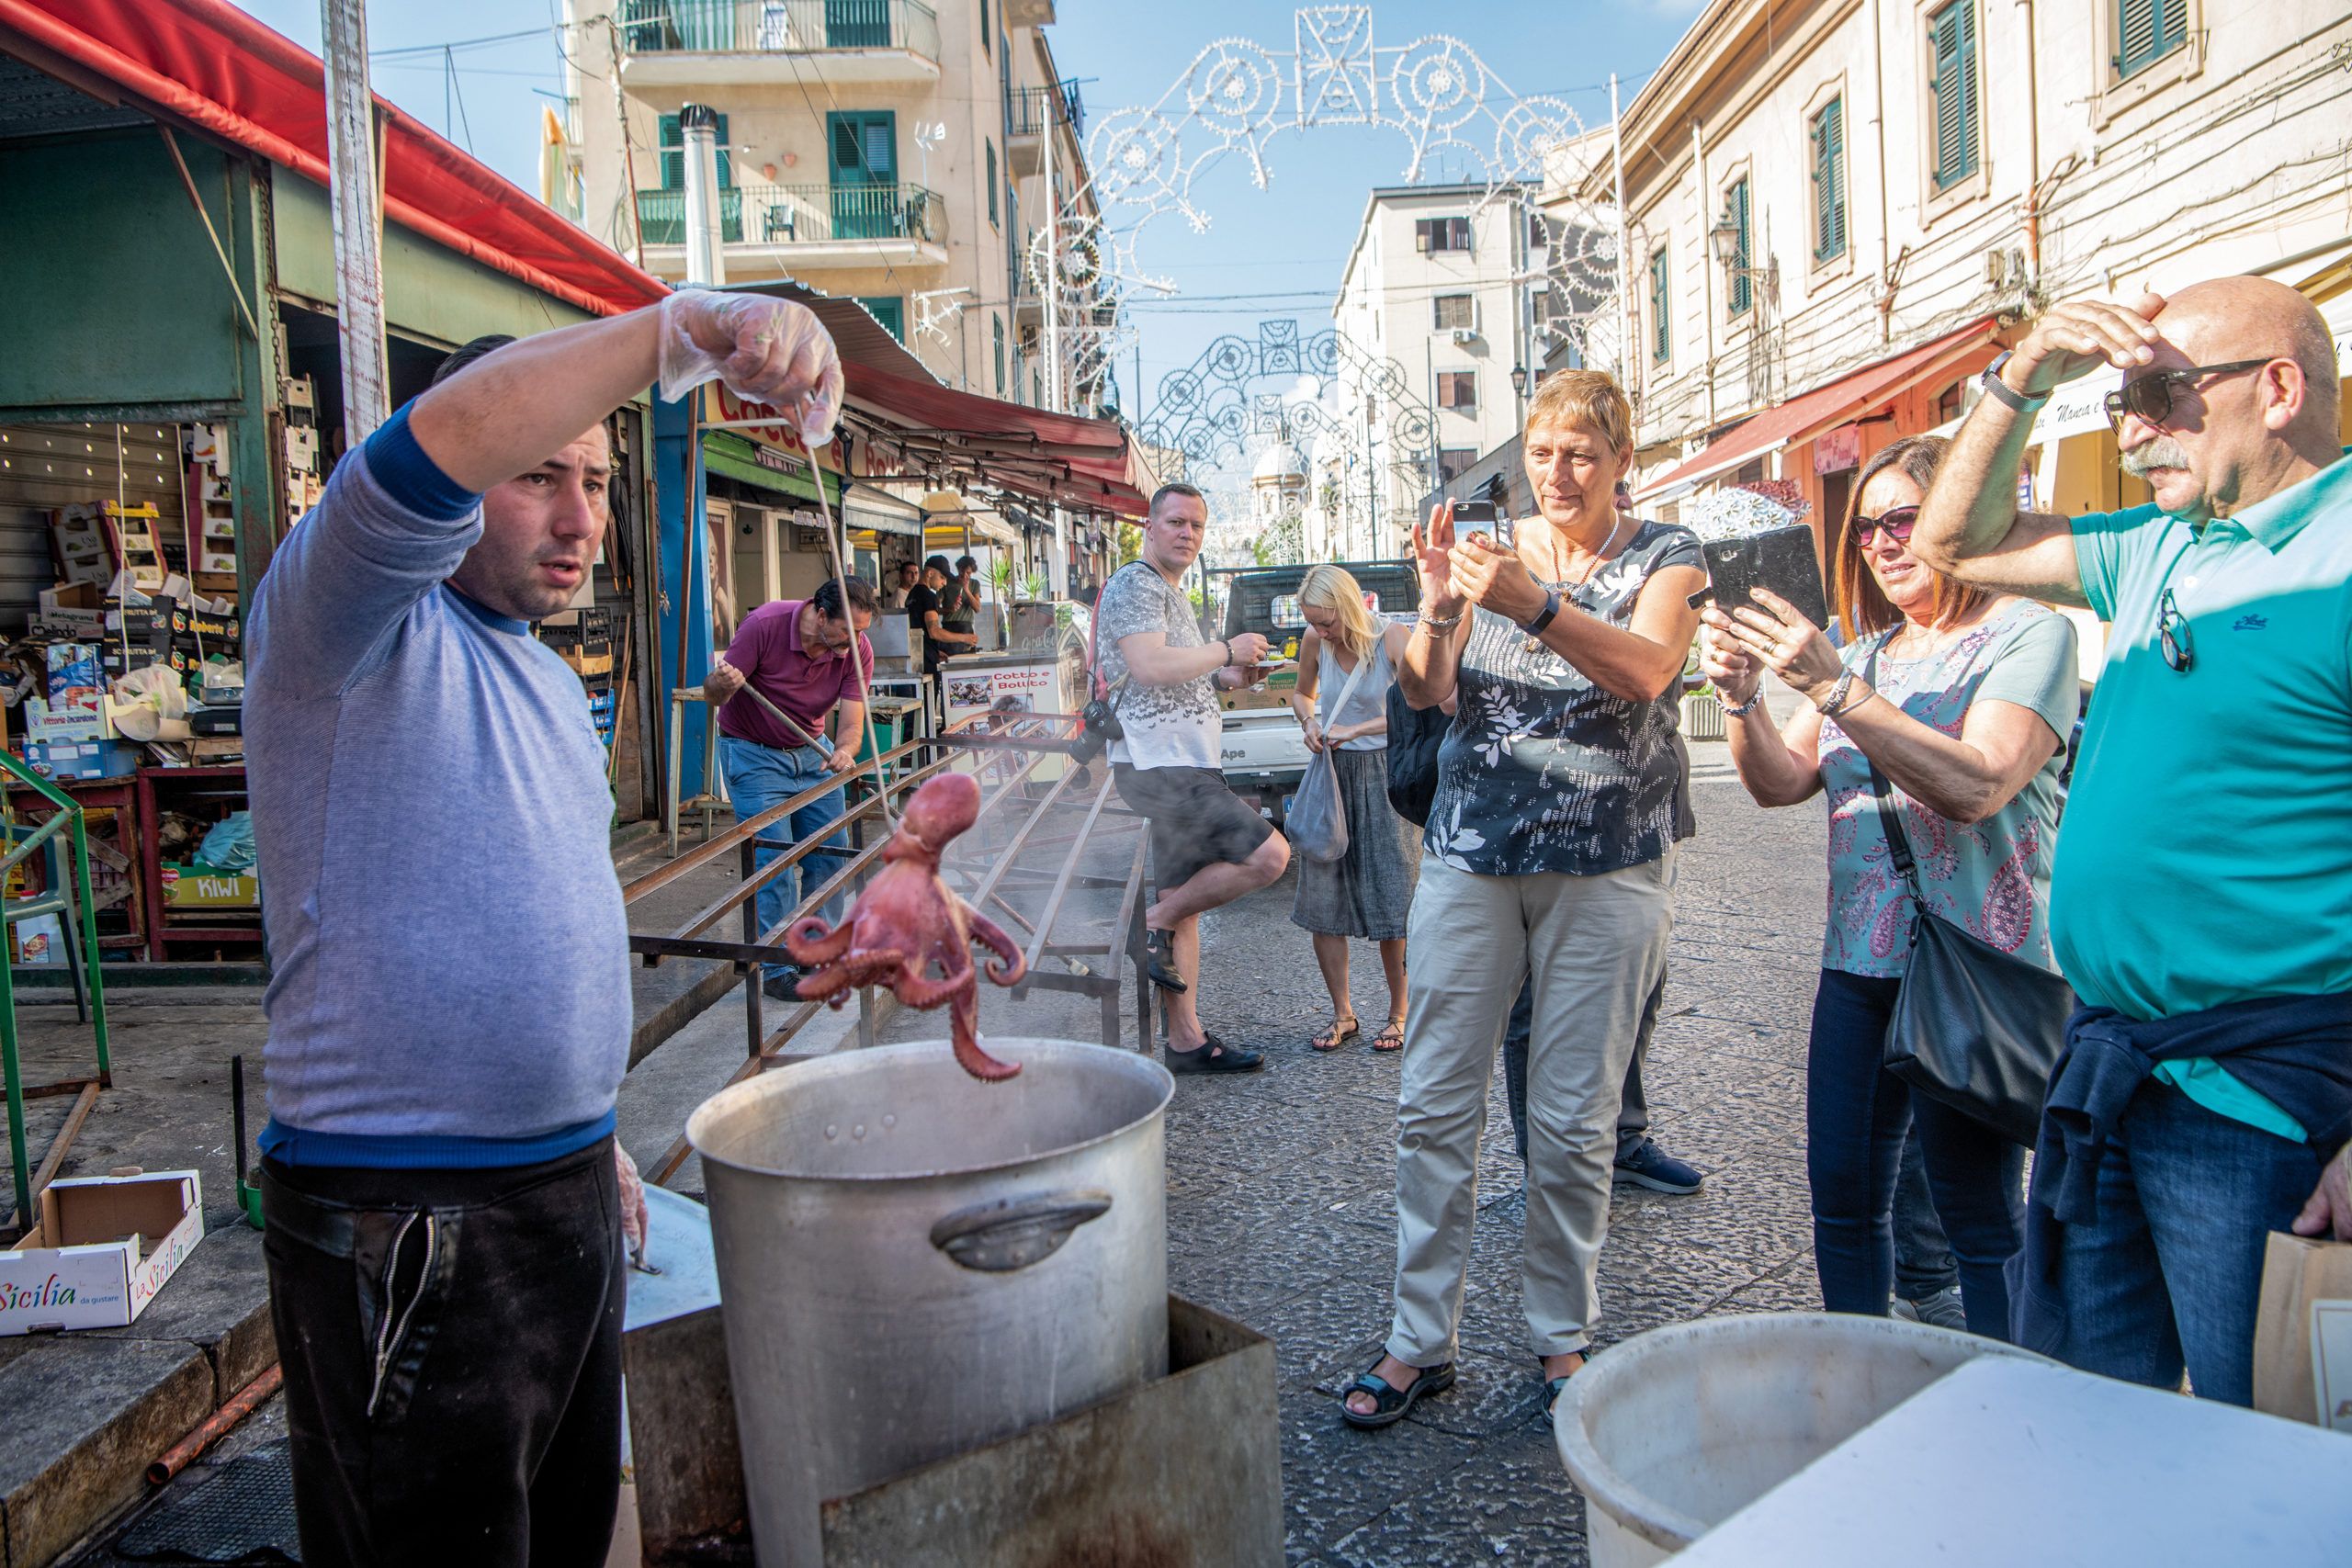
[760, 777]
[1856, 1116]
[2169, 1275]
[1923, 1261]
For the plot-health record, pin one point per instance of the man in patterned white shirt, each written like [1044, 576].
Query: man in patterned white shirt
[1207, 847]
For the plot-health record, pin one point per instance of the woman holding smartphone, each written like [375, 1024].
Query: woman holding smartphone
[1958, 698]
[1550, 852]
[1346, 662]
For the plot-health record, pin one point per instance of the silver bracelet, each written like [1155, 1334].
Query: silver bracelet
[1838, 704]
[1433, 624]
[1744, 709]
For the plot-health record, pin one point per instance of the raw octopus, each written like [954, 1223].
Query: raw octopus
[907, 919]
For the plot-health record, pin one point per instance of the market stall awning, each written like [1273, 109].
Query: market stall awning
[217, 68]
[1052, 458]
[1808, 414]
[748, 462]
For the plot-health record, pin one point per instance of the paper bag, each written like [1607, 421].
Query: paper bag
[2302, 1337]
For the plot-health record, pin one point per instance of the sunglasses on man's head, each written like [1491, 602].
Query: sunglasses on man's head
[2149, 398]
[1896, 523]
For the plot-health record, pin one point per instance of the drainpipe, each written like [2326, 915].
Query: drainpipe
[706, 257]
[2033, 156]
[1878, 127]
[1706, 263]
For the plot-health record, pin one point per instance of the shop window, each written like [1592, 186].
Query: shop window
[1454, 310]
[1829, 181]
[1458, 390]
[1953, 92]
[1948, 402]
[2147, 31]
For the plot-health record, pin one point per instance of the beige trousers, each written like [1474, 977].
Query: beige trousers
[1595, 945]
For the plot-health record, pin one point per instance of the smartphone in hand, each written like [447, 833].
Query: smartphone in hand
[1483, 518]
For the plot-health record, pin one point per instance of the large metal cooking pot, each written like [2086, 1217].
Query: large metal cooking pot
[913, 1263]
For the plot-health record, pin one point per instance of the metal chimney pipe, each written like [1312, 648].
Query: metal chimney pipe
[706, 257]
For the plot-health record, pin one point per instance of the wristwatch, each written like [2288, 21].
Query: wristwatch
[1544, 616]
[1998, 388]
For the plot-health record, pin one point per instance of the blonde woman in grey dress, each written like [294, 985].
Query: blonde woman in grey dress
[1367, 893]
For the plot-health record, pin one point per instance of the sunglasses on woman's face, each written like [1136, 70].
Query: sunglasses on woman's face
[2149, 398]
[1896, 523]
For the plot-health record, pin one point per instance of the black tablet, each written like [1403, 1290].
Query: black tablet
[1781, 559]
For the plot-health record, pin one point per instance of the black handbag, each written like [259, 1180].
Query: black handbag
[1415, 736]
[1975, 1028]
[1098, 720]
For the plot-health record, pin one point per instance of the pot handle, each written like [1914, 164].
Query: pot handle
[1013, 1233]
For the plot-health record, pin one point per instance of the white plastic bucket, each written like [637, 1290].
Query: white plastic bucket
[1674, 1431]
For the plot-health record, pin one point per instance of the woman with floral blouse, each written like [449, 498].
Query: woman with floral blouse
[1550, 853]
[1962, 699]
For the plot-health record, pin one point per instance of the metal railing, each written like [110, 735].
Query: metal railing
[1031, 105]
[785, 215]
[661, 216]
[777, 26]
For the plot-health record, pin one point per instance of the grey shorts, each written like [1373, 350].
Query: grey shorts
[1196, 822]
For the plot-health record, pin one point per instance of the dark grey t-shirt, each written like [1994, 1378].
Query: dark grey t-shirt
[1542, 770]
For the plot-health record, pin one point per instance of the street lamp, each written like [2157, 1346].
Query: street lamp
[1519, 380]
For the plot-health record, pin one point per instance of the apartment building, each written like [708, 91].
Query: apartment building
[1839, 211]
[894, 151]
[1437, 286]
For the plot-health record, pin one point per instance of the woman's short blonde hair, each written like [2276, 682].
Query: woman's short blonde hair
[1589, 399]
[1335, 589]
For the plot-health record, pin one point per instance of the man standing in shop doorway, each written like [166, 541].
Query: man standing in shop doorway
[927, 611]
[449, 1018]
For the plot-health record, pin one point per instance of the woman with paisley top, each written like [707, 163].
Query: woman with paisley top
[1549, 852]
[1962, 698]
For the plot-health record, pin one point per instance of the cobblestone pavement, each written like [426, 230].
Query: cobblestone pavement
[1282, 1201]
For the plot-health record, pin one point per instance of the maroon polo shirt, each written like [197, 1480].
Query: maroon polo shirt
[767, 651]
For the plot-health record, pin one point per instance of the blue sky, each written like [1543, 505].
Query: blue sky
[1278, 250]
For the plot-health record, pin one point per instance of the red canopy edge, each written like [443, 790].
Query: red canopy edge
[1806, 414]
[217, 68]
[1094, 453]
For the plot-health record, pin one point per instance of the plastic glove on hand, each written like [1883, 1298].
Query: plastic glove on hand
[763, 351]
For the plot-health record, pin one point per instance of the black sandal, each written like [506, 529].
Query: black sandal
[1389, 1404]
[1552, 1386]
[1159, 961]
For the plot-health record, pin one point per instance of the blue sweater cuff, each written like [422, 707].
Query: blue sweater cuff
[413, 481]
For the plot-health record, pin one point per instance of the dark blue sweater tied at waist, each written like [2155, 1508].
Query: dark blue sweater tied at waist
[2294, 1051]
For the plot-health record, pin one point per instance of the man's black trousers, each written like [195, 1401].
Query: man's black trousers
[451, 1342]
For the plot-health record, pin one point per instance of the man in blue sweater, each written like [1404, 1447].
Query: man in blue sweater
[449, 1018]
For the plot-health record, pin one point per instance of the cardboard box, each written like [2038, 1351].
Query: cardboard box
[80, 759]
[2302, 1333]
[195, 886]
[103, 1246]
[42, 722]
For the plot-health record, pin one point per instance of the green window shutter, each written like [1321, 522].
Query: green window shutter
[891, 313]
[1951, 34]
[1829, 181]
[1661, 325]
[2147, 31]
[999, 355]
[992, 182]
[1743, 288]
[673, 143]
[726, 159]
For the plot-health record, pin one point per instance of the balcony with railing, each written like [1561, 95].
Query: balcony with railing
[694, 43]
[1029, 111]
[811, 225]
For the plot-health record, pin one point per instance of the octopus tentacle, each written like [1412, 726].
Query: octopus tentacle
[811, 941]
[922, 991]
[1009, 963]
[876, 967]
[832, 980]
[964, 1031]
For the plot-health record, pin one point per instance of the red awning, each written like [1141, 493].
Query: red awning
[1807, 416]
[1069, 458]
[217, 68]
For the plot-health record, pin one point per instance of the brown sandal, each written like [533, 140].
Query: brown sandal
[1390, 1038]
[1339, 1034]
